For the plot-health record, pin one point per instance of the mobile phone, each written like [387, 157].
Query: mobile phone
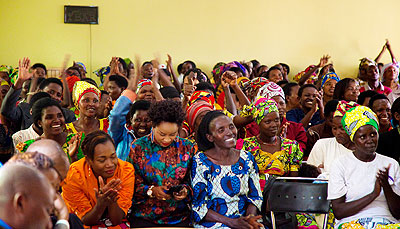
[176, 188]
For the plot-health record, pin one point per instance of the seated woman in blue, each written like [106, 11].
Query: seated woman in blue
[225, 181]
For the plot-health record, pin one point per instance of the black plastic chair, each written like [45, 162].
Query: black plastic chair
[284, 195]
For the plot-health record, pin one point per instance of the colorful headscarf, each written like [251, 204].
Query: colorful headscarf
[127, 61]
[343, 106]
[329, 76]
[366, 62]
[82, 65]
[386, 66]
[195, 109]
[81, 88]
[3, 82]
[12, 72]
[254, 84]
[234, 64]
[71, 80]
[202, 95]
[357, 117]
[218, 69]
[259, 109]
[143, 83]
[310, 80]
[102, 72]
[270, 90]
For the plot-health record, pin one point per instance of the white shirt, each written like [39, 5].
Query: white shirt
[394, 95]
[356, 179]
[324, 152]
[24, 135]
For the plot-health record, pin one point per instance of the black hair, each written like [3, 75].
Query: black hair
[205, 86]
[122, 62]
[166, 111]
[307, 170]
[285, 66]
[179, 68]
[282, 82]
[48, 81]
[245, 66]
[119, 80]
[169, 92]
[40, 105]
[37, 96]
[204, 129]
[76, 69]
[91, 81]
[147, 62]
[271, 69]
[199, 74]
[395, 109]
[304, 87]
[189, 62]
[376, 97]
[330, 107]
[139, 105]
[365, 94]
[255, 62]
[103, 92]
[259, 67]
[236, 70]
[40, 65]
[341, 88]
[92, 140]
[287, 89]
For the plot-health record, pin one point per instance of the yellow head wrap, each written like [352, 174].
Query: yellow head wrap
[357, 117]
[81, 88]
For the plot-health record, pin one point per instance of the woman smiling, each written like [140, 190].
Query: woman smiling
[161, 160]
[357, 180]
[99, 187]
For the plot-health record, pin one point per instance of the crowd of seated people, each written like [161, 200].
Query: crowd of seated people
[150, 146]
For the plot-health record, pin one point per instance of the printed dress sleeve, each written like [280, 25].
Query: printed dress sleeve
[255, 194]
[199, 184]
[295, 156]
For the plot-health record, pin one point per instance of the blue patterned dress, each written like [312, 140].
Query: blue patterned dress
[225, 189]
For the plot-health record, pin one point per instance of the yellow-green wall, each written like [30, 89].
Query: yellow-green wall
[296, 32]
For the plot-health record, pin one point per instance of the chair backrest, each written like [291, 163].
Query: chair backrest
[298, 197]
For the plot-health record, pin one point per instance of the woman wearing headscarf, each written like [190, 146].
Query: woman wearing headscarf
[86, 98]
[274, 155]
[288, 129]
[328, 84]
[364, 185]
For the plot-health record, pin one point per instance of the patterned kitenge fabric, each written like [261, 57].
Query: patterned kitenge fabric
[225, 189]
[157, 165]
[279, 163]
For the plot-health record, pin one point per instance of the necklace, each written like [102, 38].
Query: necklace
[274, 143]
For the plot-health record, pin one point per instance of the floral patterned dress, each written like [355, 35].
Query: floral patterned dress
[157, 165]
[279, 163]
[225, 189]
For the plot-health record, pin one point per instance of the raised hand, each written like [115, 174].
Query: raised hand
[324, 60]
[23, 69]
[383, 177]
[229, 77]
[114, 184]
[169, 60]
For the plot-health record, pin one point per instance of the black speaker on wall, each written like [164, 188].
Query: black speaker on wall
[81, 14]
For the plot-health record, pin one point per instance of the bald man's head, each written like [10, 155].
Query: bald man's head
[27, 197]
[53, 150]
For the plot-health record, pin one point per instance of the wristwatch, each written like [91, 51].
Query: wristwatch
[150, 191]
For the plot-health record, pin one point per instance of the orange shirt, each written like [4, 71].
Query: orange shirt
[78, 192]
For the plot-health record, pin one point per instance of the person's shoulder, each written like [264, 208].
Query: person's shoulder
[326, 141]
[186, 142]
[285, 141]
[386, 159]
[250, 139]
[76, 172]
[295, 111]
